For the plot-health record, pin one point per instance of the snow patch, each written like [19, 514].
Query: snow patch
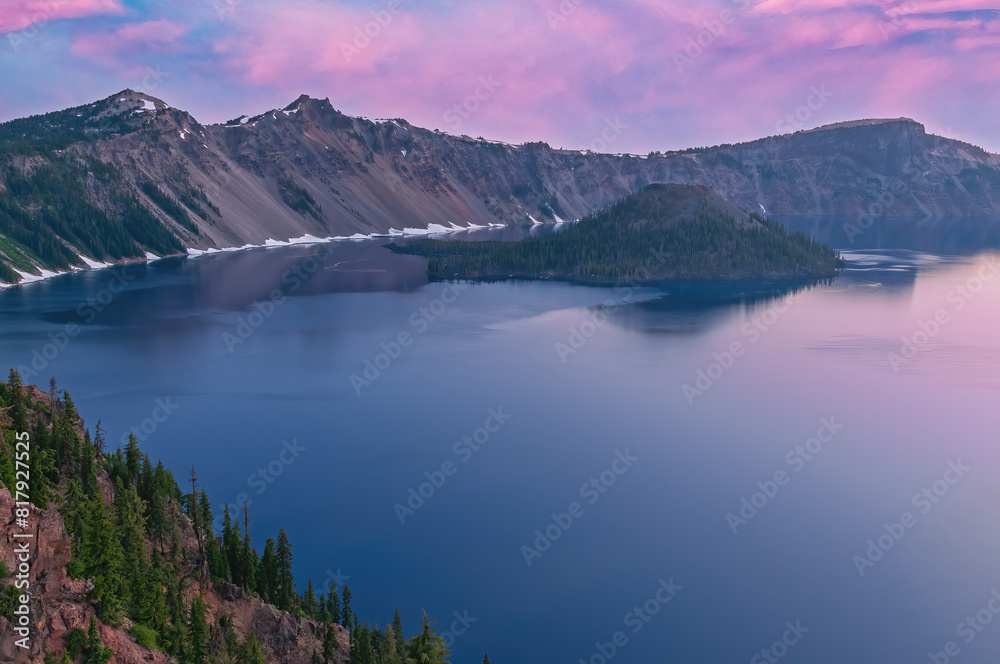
[534, 221]
[148, 105]
[92, 264]
[151, 257]
[27, 278]
[403, 151]
[432, 229]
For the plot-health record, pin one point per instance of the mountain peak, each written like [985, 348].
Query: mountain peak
[872, 122]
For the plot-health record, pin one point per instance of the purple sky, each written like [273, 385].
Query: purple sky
[665, 75]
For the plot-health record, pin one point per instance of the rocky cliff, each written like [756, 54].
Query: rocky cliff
[154, 179]
[59, 603]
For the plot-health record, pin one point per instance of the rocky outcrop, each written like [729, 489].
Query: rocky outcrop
[59, 605]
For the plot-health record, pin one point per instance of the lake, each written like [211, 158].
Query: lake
[555, 472]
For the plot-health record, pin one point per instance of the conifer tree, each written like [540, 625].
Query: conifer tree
[96, 652]
[390, 654]
[103, 560]
[197, 633]
[99, 440]
[345, 612]
[397, 627]
[426, 647]
[253, 652]
[333, 606]
[267, 582]
[309, 605]
[133, 458]
[286, 582]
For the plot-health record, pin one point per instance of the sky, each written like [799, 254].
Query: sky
[610, 75]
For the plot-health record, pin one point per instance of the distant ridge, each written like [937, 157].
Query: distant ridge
[130, 175]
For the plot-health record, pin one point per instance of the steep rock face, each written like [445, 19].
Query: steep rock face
[309, 169]
[59, 604]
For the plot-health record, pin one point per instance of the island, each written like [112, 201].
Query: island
[661, 232]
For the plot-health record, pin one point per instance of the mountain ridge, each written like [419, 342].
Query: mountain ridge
[130, 174]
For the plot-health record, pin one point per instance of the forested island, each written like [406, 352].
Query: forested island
[126, 564]
[662, 232]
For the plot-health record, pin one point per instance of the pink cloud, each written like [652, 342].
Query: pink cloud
[22, 14]
[161, 35]
[563, 67]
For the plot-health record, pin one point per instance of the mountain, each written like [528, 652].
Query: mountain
[129, 174]
[664, 231]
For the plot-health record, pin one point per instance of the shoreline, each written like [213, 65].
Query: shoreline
[190, 252]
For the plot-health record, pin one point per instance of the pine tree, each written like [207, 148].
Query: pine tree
[197, 633]
[286, 582]
[267, 581]
[390, 653]
[96, 652]
[99, 440]
[103, 560]
[253, 652]
[133, 458]
[397, 627]
[18, 408]
[330, 644]
[426, 647]
[346, 617]
[333, 605]
[132, 535]
[309, 605]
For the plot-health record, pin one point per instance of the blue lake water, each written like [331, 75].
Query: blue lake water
[645, 477]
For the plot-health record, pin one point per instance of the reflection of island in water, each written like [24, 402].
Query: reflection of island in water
[690, 307]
